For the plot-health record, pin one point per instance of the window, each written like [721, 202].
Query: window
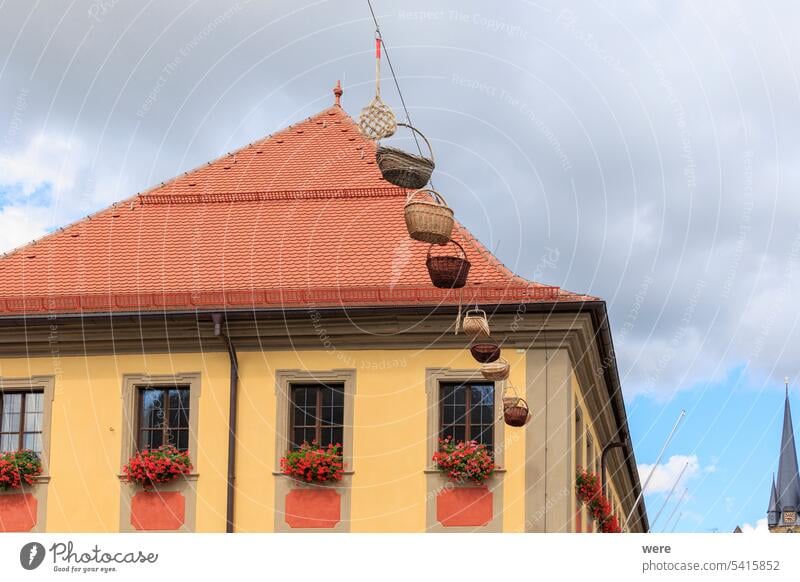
[21, 420]
[467, 412]
[317, 414]
[163, 417]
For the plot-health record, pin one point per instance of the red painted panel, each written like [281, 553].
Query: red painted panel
[464, 506]
[18, 512]
[158, 510]
[318, 508]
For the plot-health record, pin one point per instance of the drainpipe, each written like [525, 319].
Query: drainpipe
[607, 449]
[234, 391]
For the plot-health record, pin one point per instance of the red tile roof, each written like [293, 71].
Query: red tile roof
[301, 217]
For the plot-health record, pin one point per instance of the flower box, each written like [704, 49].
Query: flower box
[156, 466]
[17, 468]
[314, 463]
[464, 461]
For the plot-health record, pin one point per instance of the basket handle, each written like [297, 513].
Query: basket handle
[422, 135]
[433, 193]
[477, 311]
[460, 248]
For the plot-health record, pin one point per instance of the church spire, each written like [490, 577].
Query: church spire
[785, 495]
[788, 494]
[773, 512]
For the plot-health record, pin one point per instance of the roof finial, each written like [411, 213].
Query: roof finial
[786, 383]
[337, 92]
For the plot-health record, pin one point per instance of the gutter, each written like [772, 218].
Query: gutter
[600, 314]
[232, 412]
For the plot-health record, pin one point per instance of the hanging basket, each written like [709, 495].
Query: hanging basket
[497, 370]
[516, 414]
[448, 271]
[377, 120]
[402, 168]
[427, 221]
[485, 352]
[476, 323]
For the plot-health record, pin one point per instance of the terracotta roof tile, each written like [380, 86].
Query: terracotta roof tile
[301, 217]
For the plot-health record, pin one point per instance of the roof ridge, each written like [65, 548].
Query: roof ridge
[298, 194]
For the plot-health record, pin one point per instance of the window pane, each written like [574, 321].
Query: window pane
[152, 408]
[9, 443]
[459, 433]
[484, 436]
[180, 438]
[32, 441]
[179, 408]
[305, 404]
[34, 402]
[331, 436]
[332, 413]
[12, 405]
[151, 439]
[10, 422]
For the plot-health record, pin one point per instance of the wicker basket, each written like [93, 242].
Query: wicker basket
[485, 353]
[475, 323]
[448, 271]
[497, 370]
[430, 222]
[516, 415]
[402, 168]
[377, 120]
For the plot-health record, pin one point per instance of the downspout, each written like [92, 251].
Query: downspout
[232, 410]
[607, 449]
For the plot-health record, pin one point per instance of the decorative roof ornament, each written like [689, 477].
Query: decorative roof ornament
[337, 94]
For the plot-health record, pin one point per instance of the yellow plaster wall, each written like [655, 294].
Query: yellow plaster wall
[389, 435]
[85, 445]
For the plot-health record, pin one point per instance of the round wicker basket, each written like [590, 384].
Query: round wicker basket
[475, 323]
[497, 370]
[448, 271]
[485, 352]
[402, 168]
[516, 415]
[377, 120]
[428, 221]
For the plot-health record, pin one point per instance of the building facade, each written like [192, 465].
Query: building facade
[273, 296]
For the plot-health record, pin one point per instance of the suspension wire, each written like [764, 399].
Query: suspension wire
[391, 69]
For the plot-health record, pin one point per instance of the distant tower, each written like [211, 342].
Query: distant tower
[784, 498]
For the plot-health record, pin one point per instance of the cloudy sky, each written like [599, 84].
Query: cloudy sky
[649, 147]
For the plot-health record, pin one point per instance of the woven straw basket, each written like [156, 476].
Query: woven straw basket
[402, 168]
[516, 415]
[447, 271]
[485, 352]
[475, 323]
[497, 370]
[428, 221]
[377, 120]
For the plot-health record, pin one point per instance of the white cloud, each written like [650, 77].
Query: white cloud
[759, 528]
[47, 160]
[666, 473]
[40, 187]
[21, 224]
